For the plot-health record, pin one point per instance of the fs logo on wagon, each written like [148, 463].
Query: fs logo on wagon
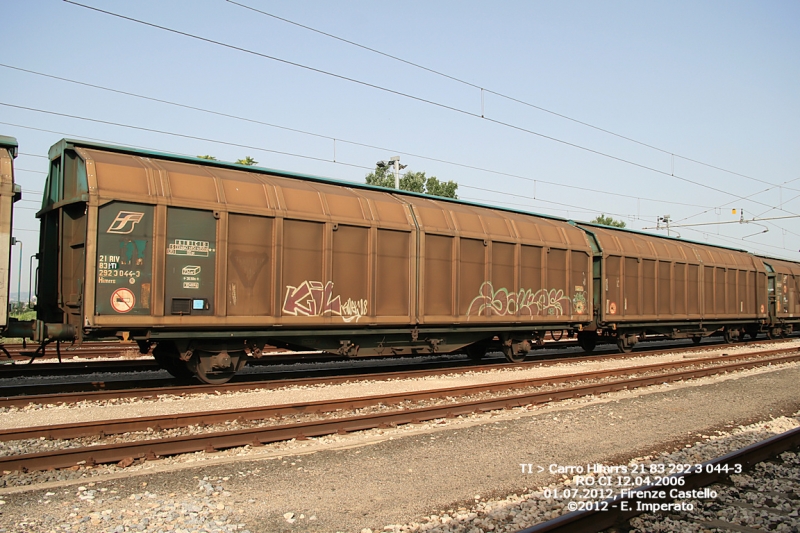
[125, 222]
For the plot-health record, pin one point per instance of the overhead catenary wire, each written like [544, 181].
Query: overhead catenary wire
[738, 243]
[194, 137]
[496, 93]
[346, 141]
[234, 144]
[731, 203]
[75, 135]
[569, 208]
[726, 222]
[183, 135]
[407, 95]
[575, 208]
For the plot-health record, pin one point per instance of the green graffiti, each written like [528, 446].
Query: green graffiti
[579, 303]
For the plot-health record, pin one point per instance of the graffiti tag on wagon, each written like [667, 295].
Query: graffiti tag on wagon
[313, 298]
[189, 247]
[525, 301]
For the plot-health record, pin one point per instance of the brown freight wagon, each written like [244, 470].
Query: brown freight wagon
[9, 193]
[783, 294]
[659, 285]
[207, 262]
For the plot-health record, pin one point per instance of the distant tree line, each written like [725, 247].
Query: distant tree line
[249, 161]
[383, 177]
[608, 221]
[413, 182]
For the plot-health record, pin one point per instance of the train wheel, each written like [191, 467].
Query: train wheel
[216, 368]
[727, 336]
[623, 345]
[515, 352]
[475, 352]
[513, 356]
[587, 340]
[696, 339]
[169, 358]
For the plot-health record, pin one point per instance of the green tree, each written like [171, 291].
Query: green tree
[381, 177]
[249, 161]
[608, 221]
[434, 187]
[413, 182]
[209, 157]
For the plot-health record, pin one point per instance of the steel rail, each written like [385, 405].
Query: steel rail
[20, 396]
[150, 449]
[713, 472]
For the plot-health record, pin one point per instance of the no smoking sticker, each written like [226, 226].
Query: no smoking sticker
[122, 300]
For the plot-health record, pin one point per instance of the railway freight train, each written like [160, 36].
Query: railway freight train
[204, 263]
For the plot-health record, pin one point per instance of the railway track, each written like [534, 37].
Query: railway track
[742, 486]
[496, 396]
[121, 364]
[125, 358]
[20, 395]
[116, 358]
[27, 354]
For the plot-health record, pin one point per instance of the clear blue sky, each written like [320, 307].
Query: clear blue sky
[717, 82]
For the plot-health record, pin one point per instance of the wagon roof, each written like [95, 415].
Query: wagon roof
[665, 237]
[782, 266]
[57, 149]
[9, 143]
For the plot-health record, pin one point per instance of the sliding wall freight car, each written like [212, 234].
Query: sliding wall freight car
[203, 263]
[207, 262]
[675, 288]
[9, 193]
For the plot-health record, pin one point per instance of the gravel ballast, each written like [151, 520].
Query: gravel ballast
[406, 478]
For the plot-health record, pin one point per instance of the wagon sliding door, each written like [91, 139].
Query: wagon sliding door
[250, 252]
[190, 265]
[392, 276]
[124, 259]
[438, 277]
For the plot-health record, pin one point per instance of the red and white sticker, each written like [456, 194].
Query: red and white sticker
[122, 300]
[612, 309]
[762, 308]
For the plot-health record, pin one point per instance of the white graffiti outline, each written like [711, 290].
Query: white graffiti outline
[312, 298]
[525, 301]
